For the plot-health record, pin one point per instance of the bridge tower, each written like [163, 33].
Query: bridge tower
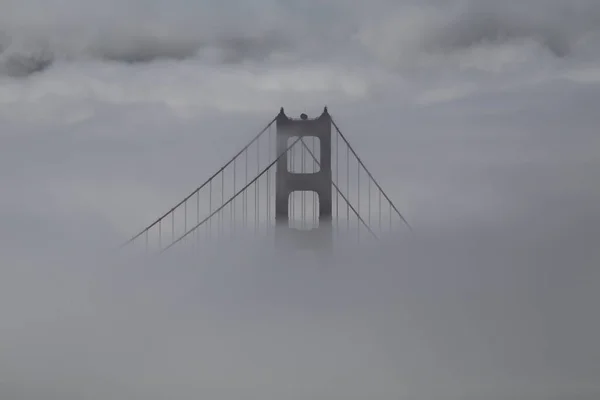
[288, 182]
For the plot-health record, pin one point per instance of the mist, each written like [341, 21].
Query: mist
[478, 118]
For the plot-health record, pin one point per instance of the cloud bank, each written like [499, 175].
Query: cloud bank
[401, 35]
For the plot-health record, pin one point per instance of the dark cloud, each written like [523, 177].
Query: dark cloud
[23, 65]
[467, 33]
[557, 26]
[488, 27]
[143, 49]
[227, 49]
[25, 62]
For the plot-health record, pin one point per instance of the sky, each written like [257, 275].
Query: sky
[478, 117]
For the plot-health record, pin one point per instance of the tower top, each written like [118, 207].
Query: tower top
[303, 116]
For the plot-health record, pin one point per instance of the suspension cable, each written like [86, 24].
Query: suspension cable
[370, 175]
[203, 185]
[232, 198]
[339, 191]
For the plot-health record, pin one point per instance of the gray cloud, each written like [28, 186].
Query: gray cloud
[23, 63]
[147, 49]
[466, 33]
[144, 48]
[555, 25]
[480, 27]
[400, 34]
[122, 32]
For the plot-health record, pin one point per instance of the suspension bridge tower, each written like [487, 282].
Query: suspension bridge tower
[318, 180]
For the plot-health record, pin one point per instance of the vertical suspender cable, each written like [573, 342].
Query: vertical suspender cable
[209, 225]
[269, 136]
[256, 189]
[221, 216]
[303, 195]
[369, 202]
[233, 209]
[292, 209]
[245, 195]
[160, 234]
[337, 179]
[358, 187]
[314, 195]
[358, 196]
[348, 186]
[380, 230]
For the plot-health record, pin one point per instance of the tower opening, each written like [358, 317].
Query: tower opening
[303, 210]
[299, 158]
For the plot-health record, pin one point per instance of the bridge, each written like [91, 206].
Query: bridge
[299, 180]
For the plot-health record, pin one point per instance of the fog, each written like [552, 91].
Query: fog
[479, 119]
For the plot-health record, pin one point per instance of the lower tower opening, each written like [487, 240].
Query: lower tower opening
[303, 210]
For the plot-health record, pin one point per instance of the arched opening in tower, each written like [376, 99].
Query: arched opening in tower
[303, 209]
[299, 158]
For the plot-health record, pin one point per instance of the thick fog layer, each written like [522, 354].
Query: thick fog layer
[479, 118]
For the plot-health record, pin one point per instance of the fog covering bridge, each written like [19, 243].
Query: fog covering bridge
[247, 196]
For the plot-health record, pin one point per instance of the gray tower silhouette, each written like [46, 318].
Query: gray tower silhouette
[319, 182]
